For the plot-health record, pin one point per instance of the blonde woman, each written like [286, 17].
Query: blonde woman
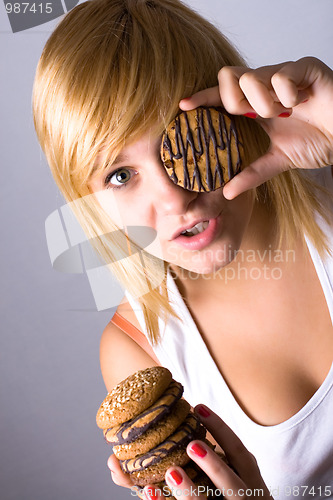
[241, 313]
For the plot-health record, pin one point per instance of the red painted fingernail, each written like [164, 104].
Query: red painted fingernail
[203, 412]
[285, 114]
[176, 477]
[151, 494]
[198, 450]
[250, 115]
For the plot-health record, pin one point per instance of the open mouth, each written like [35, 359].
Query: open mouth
[198, 236]
[198, 228]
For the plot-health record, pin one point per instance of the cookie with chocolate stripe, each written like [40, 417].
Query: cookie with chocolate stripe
[157, 465]
[181, 437]
[132, 429]
[201, 149]
[155, 434]
[132, 396]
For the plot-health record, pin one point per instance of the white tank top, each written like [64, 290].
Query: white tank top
[295, 457]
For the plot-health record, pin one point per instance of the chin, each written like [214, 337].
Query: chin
[209, 263]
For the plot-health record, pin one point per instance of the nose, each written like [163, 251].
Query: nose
[170, 199]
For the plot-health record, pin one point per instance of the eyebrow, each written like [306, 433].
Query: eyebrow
[119, 159]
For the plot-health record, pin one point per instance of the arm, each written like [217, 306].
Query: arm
[120, 356]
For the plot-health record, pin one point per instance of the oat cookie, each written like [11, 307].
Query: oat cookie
[132, 396]
[130, 430]
[156, 472]
[155, 434]
[181, 437]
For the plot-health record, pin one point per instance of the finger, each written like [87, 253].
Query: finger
[237, 454]
[232, 96]
[303, 72]
[255, 174]
[286, 90]
[249, 92]
[292, 83]
[286, 83]
[224, 478]
[207, 97]
[118, 476]
[257, 88]
[181, 487]
[152, 493]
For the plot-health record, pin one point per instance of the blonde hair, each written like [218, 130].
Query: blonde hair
[111, 71]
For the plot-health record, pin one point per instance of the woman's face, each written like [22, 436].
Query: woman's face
[137, 191]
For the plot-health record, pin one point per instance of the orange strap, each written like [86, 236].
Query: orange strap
[135, 334]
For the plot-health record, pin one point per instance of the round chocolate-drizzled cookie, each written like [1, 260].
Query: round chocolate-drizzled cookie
[201, 149]
[155, 433]
[132, 429]
[156, 467]
[184, 434]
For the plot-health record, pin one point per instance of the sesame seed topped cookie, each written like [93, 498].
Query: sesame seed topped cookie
[132, 396]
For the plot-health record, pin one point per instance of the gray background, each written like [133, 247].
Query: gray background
[50, 382]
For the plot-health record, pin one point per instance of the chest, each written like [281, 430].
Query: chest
[271, 339]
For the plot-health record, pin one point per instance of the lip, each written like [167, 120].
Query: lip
[188, 226]
[201, 240]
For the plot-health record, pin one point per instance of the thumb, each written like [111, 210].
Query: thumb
[206, 97]
[261, 170]
[118, 476]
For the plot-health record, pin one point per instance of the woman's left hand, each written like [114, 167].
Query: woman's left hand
[240, 480]
[292, 101]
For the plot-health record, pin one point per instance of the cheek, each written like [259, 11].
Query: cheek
[110, 206]
[124, 211]
[239, 211]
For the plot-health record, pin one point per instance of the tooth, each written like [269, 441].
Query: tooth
[198, 228]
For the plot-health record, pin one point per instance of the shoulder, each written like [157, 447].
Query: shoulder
[120, 356]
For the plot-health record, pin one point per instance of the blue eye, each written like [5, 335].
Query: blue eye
[118, 178]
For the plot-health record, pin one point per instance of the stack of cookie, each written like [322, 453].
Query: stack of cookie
[149, 425]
